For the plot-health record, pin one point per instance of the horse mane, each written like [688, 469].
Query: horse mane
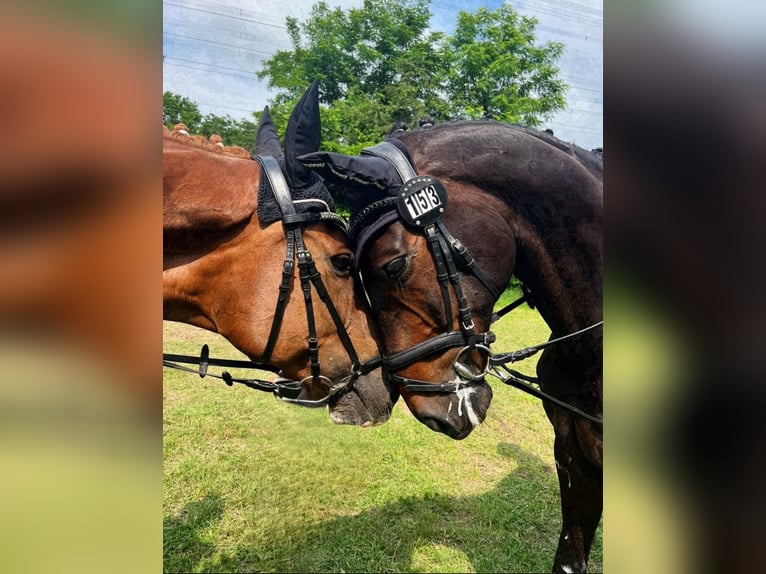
[590, 159]
[545, 135]
[213, 144]
[593, 160]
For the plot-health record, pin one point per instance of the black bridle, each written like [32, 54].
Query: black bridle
[292, 224]
[420, 205]
[446, 251]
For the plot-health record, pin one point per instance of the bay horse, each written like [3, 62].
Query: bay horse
[440, 221]
[231, 232]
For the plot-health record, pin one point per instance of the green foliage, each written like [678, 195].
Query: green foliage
[362, 47]
[376, 65]
[178, 109]
[498, 71]
[380, 64]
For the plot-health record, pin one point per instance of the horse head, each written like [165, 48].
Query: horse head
[229, 241]
[433, 325]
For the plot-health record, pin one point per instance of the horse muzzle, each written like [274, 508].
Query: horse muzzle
[368, 402]
[456, 413]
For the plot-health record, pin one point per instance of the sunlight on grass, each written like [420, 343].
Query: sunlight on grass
[425, 558]
[251, 483]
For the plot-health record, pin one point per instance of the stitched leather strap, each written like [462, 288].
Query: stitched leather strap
[390, 152]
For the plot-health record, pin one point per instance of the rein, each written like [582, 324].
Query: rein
[292, 224]
[420, 205]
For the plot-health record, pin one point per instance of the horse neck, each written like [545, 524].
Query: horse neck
[209, 202]
[559, 261]
[225, 289]
[559, 257]
[205, 196]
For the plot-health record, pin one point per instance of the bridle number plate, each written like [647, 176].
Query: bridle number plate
[422, 201]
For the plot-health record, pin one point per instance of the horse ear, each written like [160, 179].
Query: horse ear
[361, 179]
[303, 135]
[351, 171]
[266, 138]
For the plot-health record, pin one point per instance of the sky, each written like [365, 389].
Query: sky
[213, 48]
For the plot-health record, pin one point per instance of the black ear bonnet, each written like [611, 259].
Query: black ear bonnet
[372, 199]
[302, 136]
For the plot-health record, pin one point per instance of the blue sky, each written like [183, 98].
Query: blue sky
[213, 48]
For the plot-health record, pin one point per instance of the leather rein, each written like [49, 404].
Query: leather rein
[292, 224]
[420, 204]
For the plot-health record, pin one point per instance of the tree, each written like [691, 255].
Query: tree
[178, 109]
[498, 71]
[380, 64]
[233, 132]
[376, 65]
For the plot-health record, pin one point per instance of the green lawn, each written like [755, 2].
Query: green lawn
[254, 484]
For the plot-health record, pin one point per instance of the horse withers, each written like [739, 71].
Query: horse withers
[225, 249]
[439, 226]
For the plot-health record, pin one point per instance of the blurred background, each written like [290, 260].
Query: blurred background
[80, 306]
[80, 299]
[684, 141]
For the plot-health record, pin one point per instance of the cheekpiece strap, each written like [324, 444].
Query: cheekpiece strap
[278, 184]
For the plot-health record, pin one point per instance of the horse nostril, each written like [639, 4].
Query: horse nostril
[456, 431]
[435, 425]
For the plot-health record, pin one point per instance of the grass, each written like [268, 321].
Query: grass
[254, 484]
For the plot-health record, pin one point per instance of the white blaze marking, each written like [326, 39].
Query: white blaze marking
[567, 569]
[464, 398]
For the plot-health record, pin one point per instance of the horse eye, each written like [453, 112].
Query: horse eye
[342, 263]
[394, 269]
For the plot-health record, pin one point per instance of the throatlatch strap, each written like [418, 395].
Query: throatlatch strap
[339, 327]
[461, 251]
[466, 322]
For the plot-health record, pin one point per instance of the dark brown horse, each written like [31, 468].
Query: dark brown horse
[434, 259]
[225, 252]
